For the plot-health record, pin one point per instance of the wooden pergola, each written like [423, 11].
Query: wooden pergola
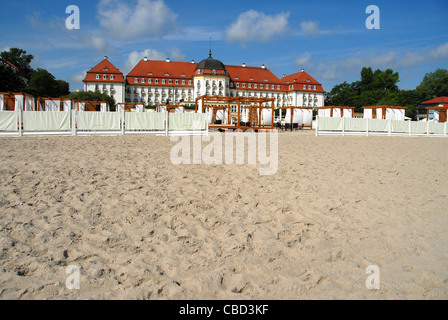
[254, 106]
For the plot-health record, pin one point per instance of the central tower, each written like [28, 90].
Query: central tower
[211, 78]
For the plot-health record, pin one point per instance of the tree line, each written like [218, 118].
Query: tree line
[380, 87]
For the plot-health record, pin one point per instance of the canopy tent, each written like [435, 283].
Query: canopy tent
[10, 101]
[102, 106]
[440, 113]
[384, 112]
[335, 111]
[302, 116]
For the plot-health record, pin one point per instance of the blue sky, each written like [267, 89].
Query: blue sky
[329, 39]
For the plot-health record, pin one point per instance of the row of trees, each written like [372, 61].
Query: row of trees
[380, 87]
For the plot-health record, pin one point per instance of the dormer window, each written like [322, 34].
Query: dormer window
[112, 77]
[104, 76]
[143, 80]
[97, 77]
[136, 80]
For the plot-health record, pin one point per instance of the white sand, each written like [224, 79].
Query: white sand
[139, 227]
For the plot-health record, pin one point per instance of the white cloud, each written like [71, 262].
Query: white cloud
[135, 56]
[303, 60]
[129, 21]
[97, 43]
[254, 26]
[310, 28]
[440, 52]
[77, 78]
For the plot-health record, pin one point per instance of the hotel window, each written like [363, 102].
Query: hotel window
[97, 76]
[237, 85]
[143, 80]
[170, 81]
[104, 77]
[244, 85]
[135, 80]
[177, 82]
[149, 80]
[314, 87]
[278, 87]
[156, 81]
[261, 86]
[272, 87]
[255, 86]
[309, 87]
[163, 81]
[183, 82]
[189, 82]
[304, 86]
[249, 85]
[112, 77]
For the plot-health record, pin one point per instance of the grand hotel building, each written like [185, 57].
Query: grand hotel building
[154, 82]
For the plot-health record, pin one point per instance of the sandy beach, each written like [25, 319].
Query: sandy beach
[140, 227]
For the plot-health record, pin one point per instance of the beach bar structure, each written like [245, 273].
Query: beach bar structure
[130, 107]
[251, 113]
[335, 112]
[11, 101]
[438, 107]
[102, 106]
[385, 112]
[54, 104]
[297, 117]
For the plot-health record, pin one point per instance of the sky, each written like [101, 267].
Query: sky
[328, 38]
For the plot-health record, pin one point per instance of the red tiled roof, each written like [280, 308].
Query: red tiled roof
[162, 69]
[302, 78]
[105, 67]
[436, 100]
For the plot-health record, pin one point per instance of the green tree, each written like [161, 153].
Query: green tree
[20, 59]
[434, 84]
[43, 84]
[10, 80]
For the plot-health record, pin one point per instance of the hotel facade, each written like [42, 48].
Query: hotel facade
[155, 82]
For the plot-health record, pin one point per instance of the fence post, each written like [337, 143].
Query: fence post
[390, 126]
[73, 113]
[343, 126]
[367, 127]
[122, 115]
[410, 125]
[19, 115]
[317, 125]
[427, 128]
[166, 122]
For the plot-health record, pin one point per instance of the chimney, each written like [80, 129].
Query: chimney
[263, 66]
[192, 61]
[145, 59]
[168, 60]
[105, 57]
[303, 70]
[284, 75]
[243, 65]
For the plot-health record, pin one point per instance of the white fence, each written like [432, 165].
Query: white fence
[20, 123]
[383, 127]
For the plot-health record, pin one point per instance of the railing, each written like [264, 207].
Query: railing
[378, 127]
[22, 123]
